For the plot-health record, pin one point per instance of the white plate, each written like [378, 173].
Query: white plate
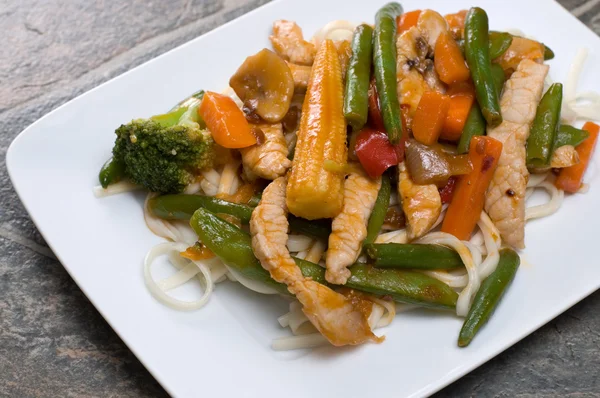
[224, 348]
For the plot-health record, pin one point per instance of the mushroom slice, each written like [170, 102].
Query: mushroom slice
[265, 84]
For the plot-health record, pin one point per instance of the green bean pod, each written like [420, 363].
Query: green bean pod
[548, 53]
[320, 229]
[569, 135]
[544, 128]
[475, 124]
[356, 97]
[413, 256]
[488, 296]
[182, 207]
[234, 247]
[379, 212]
[499, 43]
[477, 53]
[384, 62]
[111, 172]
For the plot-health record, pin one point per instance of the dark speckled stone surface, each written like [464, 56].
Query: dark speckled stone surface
[52, 340]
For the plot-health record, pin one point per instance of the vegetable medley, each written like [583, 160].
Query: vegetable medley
[370, 165]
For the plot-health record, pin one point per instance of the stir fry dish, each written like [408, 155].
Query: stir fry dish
[372, 169]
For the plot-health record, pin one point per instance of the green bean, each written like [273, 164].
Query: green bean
[475, 124]
[379, 210]
[356, 97]
[402, 286]
[111, 172]
[477, 53]
[181, 207]
[413, 256]
[320, 229]
[569, 135]
[544, 128]
[234, 247]
[548, 53]
[384, 62]
[499, 43]
[488, 296]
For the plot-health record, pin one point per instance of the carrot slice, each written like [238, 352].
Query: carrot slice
[408, 20]
[570, 178]
[449, 61]
[456, 22]
[226, 121]
[462, 97]
[430, 117]
[469, 193]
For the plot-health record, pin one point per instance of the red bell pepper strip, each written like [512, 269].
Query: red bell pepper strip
[375, 152]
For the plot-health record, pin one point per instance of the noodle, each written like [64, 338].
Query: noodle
[298, 243]
[316, 252]
[556, 199]
[187, 273]
[464, 298]
[114, 189]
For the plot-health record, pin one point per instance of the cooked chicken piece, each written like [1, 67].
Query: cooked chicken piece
[267, 159]
[564, 156]
[422, 204]
[301, 74]
[415, 71]
[339, 319]
[349, 228]
[289, 43]
[505, 199]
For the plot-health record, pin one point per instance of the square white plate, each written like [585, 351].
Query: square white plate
[224, 348]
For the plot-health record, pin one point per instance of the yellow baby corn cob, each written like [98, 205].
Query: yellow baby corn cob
[312, 191]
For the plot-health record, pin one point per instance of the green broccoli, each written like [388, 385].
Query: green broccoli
[165, 152]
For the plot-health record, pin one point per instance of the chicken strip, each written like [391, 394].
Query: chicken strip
[288, 42]
[268, 159]
[422, 204]
[415, 71]
[349, 228]
[505, 199]
[300, 74]
[341, 320]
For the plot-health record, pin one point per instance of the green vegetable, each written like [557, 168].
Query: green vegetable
[379, 210]
[234, 247]
[475, 124]
[182, 207]
[255, 199]
[384, 62]
[499, 43]
[165, 153]
[111, 172]
[544, 128]
[569, 135]
[320, 229]
[402, 286]
[415, 256]
[488, 296]
[548, 53]
[356, 97]
[477, 53]
[182, 104]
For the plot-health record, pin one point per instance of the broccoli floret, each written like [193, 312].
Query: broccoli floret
[164, 153]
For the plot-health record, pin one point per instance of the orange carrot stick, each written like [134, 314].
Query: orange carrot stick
[408, 20]
[226, 121]
[462, 96]
[430, 117]
[456, 22]
[571, 178]
[469, 194]
[449, 61]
